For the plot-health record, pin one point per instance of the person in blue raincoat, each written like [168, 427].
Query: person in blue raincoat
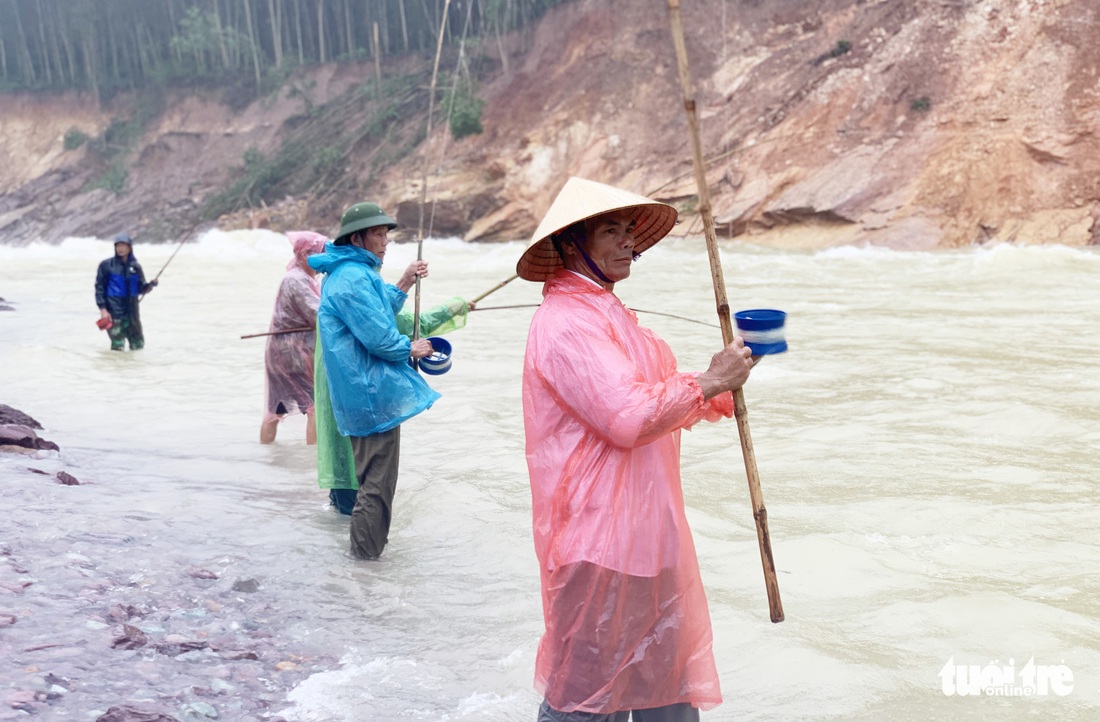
[335, 458]
[372, 386]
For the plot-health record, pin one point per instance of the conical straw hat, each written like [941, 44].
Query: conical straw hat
[581, 199]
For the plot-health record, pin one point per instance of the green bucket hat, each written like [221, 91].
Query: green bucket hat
[363, 215]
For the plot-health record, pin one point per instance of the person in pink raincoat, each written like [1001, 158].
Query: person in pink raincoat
[627, 626]
[289, 356]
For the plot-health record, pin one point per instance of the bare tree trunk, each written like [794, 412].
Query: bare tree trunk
[348, 34]
[56, 48]
[177, 54]
[222, 50]
[65, 49]
[147, 60]
[23, 52]
[90, 65]
[385, 30]
[45, 46]
[275, 10]
[253, 41]
[321, 29]
[298, 31]
[377, 64]
[404, 24]
[497, 21]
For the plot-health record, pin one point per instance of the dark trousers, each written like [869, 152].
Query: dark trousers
[126, 330]
[376, 459]
[343, 499]
[669, 713]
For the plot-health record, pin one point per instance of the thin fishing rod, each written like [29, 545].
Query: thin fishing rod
[178, 247]
[635, 310]
[756, 496]
[672, 315]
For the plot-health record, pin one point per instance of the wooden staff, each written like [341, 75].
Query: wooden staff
[759, 512]
[495, 288]
[303, 329]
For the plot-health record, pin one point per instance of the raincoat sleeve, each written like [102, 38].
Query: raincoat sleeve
[396, 297]
[369, 318]
[444, 318]
[101, 285]
[593, 377]
[718, 407]
[141, 279]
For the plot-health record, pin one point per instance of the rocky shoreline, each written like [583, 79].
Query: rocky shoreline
[93, 625]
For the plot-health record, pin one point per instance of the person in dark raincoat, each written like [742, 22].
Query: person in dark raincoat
[119, 285]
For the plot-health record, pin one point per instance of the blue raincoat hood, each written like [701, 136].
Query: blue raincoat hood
[334, 255]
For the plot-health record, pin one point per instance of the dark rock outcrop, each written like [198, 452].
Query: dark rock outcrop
[23, 436]
[8, 415]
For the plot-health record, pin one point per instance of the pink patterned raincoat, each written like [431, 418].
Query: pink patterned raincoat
[288, 358]
[627, 625]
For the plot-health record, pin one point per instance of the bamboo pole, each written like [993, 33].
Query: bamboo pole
[424, 177]
[303, 329]
[495, 288]
[759, 512]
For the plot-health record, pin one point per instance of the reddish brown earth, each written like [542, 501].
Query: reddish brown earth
[947, 122]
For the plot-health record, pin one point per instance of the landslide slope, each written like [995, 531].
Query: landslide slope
[908, 124]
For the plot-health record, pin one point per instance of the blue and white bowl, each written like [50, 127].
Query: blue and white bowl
[762, 329]
[440, 360]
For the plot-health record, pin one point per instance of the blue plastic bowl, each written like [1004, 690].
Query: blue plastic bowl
[440, 360]
[762, 329]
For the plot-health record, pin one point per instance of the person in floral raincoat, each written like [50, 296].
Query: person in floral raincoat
[288, 360]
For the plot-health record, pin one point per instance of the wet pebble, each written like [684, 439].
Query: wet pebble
[64, 477]
[247, 586]
[134, 713]
[198, 655]
[240, 655]
[121, 613]
[131, 638]
[200, 573]
[178, 648]
[20, 698]
[198, 711]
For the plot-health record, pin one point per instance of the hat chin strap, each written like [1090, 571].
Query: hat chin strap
[596, 269]
[591, 264]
